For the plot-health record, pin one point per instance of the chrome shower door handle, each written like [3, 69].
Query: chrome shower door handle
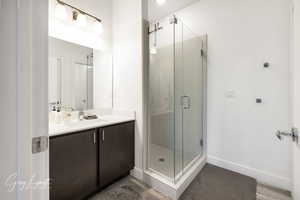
[186, 102]
[183, 102]
[189, 102]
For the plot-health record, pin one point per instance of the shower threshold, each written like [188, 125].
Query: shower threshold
[167, 186]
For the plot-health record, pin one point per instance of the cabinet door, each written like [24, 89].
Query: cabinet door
[73, 165]
[116, 152]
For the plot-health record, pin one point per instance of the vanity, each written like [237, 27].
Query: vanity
[91, 145]
[85, 161]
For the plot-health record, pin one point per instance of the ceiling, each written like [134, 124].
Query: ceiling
[156, 11]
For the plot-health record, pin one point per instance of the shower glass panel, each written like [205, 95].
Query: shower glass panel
[176, 98]
[161, 99]
[189, 98]
[192, 98]
[83, 86]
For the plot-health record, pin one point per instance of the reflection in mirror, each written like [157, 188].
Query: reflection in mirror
[70, 76]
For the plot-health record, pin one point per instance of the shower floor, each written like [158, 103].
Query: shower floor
[162, 161]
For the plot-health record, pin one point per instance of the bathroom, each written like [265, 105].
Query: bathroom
[149, 99]
[86, 79]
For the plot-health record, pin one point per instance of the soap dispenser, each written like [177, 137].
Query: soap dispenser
[52, 114]
[58, 117]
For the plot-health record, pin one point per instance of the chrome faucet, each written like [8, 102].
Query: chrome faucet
[81, 114]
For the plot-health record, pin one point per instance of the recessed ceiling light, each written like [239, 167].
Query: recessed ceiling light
[160, 2]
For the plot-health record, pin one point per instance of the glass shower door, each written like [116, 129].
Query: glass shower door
[193, 97]
[189, 98]
[161, 99]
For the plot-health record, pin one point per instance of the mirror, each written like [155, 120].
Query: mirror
[71, 75]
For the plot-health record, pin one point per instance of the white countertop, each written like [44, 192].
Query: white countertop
[75, 126]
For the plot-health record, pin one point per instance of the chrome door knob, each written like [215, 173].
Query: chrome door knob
[293, 134]
[279, 135]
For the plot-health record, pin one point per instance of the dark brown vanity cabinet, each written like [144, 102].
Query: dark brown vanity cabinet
[82, 163]
[116, 152]
[73, 165]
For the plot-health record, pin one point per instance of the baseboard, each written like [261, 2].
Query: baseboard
[137, 173]
[261, 176]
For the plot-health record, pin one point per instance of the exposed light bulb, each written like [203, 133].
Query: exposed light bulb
[98, 27]
[160, 2]
[61, 12]
[81, 20]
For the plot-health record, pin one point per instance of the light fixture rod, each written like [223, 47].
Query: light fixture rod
[157, 27]
[79, 10]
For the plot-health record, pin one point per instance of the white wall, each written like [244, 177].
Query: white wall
[8, 89]
[242, 35]
[128, 66]
[156, 11]
[103, 79]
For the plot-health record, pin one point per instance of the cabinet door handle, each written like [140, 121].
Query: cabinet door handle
[103, 135]
[95, 138]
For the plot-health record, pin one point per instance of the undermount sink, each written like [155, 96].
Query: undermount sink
[76, 123]
[83, 122]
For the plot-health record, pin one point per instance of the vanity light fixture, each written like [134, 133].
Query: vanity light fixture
[80, 19]
[79, 16]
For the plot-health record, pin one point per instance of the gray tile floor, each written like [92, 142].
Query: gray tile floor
[212, 183]
[129, 189]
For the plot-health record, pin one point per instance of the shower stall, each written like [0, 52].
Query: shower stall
[176, 99]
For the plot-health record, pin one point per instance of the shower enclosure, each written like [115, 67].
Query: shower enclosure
[83, 86]
[176, 98]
